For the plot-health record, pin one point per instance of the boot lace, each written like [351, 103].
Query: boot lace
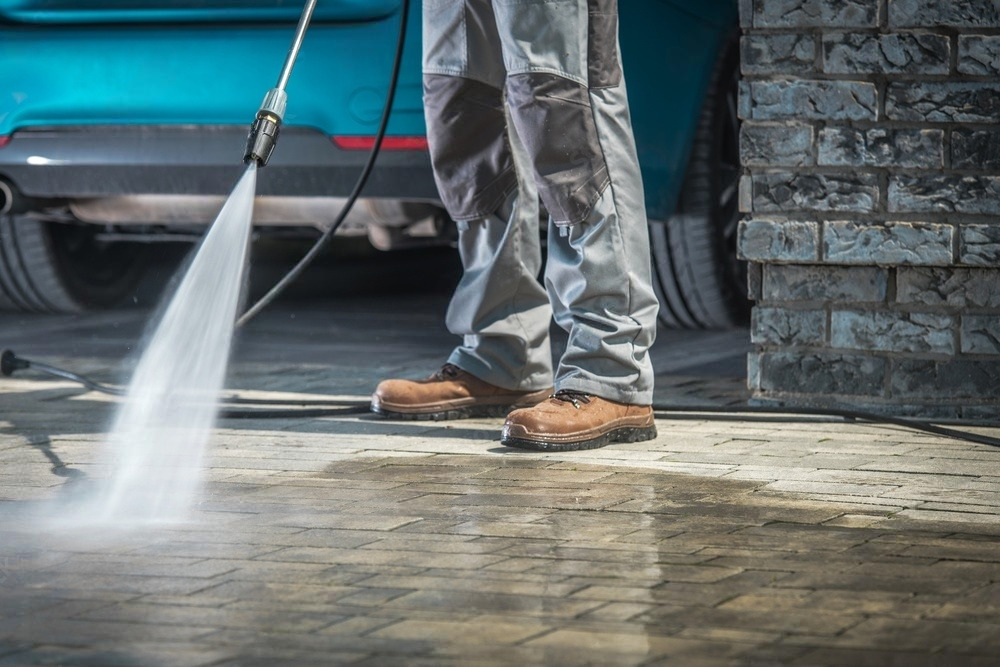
[571, 396]
[447, 372]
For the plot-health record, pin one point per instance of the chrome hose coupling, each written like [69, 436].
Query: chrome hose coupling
[264, 130]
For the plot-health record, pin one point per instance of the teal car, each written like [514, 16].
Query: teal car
[123, 123]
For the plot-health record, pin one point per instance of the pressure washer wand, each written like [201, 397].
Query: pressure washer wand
[264, 129]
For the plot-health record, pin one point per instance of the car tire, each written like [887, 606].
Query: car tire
[48, 267]
[698, 277]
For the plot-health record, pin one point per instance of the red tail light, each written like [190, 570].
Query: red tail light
[365, 143]
[4, 140]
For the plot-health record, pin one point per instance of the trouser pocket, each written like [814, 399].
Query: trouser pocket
[444, 36]
[603, 64]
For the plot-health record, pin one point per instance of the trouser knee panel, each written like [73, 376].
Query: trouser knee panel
[466, 130]
[555, 120]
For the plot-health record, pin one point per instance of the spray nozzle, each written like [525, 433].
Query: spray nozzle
[264, 129]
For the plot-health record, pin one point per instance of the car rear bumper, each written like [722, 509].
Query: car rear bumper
[106, 161]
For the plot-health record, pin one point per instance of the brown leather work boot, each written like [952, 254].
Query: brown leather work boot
[572, 420]
[451, 393]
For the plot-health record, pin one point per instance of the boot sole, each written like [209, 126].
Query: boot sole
[618, 435]
[471, 412]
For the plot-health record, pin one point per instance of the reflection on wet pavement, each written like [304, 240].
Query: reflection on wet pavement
[355, 540]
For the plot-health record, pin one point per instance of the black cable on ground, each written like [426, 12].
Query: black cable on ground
[327, 402]
[9, 363]
[308, 258]
[666, 410]
[311, 413]
[849, 415]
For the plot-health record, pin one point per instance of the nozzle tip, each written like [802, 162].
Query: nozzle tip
[262, 138]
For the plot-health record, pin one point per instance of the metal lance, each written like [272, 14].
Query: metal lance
[264, 129]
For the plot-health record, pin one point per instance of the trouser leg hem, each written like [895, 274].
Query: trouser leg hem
[474, 366]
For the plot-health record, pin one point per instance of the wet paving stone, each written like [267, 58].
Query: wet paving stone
[789, 588]
[353, 540]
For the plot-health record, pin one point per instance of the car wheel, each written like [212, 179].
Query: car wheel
[699, 279]
[48, 267]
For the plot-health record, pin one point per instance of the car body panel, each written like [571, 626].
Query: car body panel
[65, 72]
[668, 55]
[722, 14]
[78, 161]
[188, 11]
[154, 75]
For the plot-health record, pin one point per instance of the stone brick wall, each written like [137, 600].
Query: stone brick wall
[871, 194]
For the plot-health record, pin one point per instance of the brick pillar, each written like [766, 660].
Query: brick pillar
[871, 142]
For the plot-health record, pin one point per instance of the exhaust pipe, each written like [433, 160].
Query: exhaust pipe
[13, 201]
[6, 197]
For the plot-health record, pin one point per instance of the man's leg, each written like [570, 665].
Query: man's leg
[569, 105]
[599, 275]
[499, 308]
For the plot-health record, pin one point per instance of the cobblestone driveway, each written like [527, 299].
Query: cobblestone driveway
[354, 540]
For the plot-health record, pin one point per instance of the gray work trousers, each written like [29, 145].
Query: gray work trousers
[525, 103]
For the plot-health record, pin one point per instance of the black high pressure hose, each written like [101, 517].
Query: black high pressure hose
[307, 259]
[9, 363]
